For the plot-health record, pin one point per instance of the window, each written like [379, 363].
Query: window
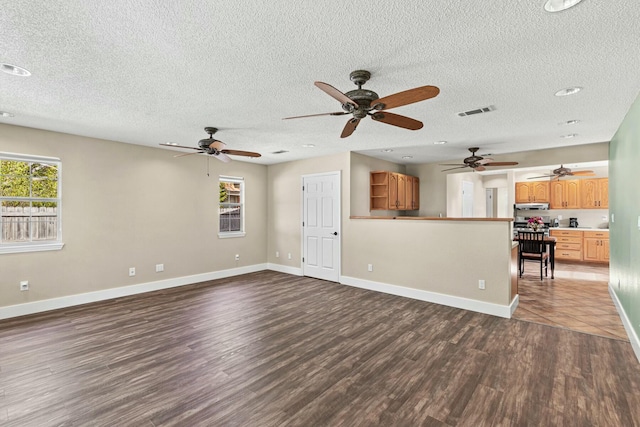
[231, 209]
[30, 203]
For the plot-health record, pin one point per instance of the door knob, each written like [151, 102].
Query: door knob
[335, 233]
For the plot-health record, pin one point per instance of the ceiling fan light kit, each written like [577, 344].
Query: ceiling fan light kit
[361, 103]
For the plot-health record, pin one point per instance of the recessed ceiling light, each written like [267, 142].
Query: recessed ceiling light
[439, 142]
[14, 70]
[571, 135]
[308, 145]
[388, 150]
[172, 143]
[5, 114]
[568, 91]
[571, 122]
[407, 157]
[559, 5]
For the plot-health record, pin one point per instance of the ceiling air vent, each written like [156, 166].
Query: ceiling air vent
[477, 111]
[280, 152]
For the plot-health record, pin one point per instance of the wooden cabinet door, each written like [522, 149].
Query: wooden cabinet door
[603, 187]
[393, 191]
[540, 190]
[589, 193]
[590, 249]
[605, 250]
[415, 187]
[523, 192]
[556, 195]
[572, 194]
[402, 192]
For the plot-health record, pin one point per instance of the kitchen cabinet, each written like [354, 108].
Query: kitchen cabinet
[412, 193]
[564, 194]
[535, 191]
[393, 191]
[568, 244]
[596, 246]
[594, 193]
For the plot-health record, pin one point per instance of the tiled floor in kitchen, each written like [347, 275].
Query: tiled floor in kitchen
[577, 299]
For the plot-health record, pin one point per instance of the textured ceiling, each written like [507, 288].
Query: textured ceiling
[146, 72]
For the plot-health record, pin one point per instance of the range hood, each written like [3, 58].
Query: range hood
[532, 206]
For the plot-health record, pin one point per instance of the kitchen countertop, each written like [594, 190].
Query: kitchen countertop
[579, 228]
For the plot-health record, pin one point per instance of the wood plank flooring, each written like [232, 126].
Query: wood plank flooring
[577, 299]
[270, 349]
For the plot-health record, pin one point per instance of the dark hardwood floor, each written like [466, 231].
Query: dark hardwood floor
[270, 349]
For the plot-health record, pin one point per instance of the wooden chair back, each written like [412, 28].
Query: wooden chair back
[532, 242]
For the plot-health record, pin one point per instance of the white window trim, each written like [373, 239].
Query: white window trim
[233, 234]
[23, 247]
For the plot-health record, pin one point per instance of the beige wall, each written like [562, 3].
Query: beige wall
[131, 206]
[284, 204]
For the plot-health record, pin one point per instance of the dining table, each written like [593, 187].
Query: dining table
[550, 241]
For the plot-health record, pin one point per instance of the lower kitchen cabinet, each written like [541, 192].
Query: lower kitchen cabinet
[568, 244]
[596, 246]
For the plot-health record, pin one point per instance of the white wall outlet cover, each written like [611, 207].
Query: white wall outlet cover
[613, 218]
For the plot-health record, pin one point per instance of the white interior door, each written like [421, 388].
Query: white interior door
[321, 226]
[467, 199]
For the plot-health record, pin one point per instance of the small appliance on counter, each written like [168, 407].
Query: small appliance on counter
[554, 223]
[573, 222]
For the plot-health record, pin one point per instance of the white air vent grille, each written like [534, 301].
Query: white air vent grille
[477, 111]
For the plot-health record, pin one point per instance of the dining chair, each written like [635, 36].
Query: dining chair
[532, 247]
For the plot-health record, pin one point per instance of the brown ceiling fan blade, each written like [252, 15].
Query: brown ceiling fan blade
[222, 157]
[407, 97]
[169, 144]
[397, 120]
[351, 126]
[335, 93]
[241, 153]
[453, 164]
[189, 154]
[338, 113]
[583, 173]
[542, 176]
[450, 169]
[501, 164]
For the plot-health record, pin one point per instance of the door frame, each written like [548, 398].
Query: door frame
[338, 206]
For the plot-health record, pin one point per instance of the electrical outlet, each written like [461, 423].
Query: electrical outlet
[159, 268]
[613, 218]
[24, 285]
[481, 284]
[277, 254]
[559, 217]
[132, 271]
[369, 267]
[289, 255]
[237, 257]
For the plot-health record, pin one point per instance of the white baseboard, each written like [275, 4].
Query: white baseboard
[442, 299]
[296, 271]
[89, 297]
[633, 337]
[514, 305]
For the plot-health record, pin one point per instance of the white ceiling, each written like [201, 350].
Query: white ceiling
[146, 72]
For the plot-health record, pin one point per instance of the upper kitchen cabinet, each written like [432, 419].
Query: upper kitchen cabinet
[594, 193]
[535, 191]
[565, 194]
[393, 191]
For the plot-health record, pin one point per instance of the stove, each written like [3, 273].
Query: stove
[521, 224]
